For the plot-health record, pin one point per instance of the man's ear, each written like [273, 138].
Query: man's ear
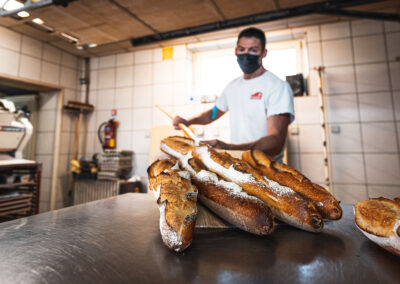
[264, 53]
[236, 53]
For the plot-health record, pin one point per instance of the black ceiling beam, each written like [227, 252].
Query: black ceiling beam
[319, 7]
[363, 14]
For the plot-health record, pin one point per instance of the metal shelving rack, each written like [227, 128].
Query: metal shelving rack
[22, 196]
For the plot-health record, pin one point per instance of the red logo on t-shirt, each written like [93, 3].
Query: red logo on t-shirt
[256, 96]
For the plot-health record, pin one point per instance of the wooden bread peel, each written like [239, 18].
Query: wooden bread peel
[205, 218]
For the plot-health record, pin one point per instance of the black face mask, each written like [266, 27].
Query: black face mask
[248, 62]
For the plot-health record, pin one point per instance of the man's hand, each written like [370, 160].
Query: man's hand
[217, 144]
[177, 120]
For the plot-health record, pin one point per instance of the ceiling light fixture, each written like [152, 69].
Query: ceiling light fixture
[23, 14]
[10, 5]
[38, 21]
[86, 46]
[69, 38]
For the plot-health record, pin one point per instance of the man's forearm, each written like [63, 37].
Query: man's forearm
[270, 145]
[202, 119]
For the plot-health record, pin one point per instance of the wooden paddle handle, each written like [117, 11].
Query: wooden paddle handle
[183, 127]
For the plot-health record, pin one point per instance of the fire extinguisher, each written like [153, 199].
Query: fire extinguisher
[110, 134]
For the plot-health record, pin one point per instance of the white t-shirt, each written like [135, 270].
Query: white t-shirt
[250, 102]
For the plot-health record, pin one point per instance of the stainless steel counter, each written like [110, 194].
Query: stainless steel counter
[117, 240]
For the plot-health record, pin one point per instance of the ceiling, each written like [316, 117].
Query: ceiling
[112, 24]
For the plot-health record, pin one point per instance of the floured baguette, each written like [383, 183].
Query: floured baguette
[228, 200]
[379, 220]
[176, 198]
[326, 204]
[286, 204]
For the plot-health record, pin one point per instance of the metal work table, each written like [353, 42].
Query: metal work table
[117, 240]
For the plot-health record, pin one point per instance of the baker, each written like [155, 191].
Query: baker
[259, 103]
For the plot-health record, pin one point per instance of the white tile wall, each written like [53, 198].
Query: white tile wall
[68, 77]
[162, 72]
[45, 143]
[124, 140]
[10, 39]
[396, 100]
[382, 168]
[376, 191]
[379, 137]
[124, 98]
[125, 59]
[305, 109]
[162, 94]
[51, 54]
[347, 140]
[105, 99]
[369, 49]
[143, 56]
[106, 78]
[342, 108]
[312, 166]
[142, 74]
[340, 80]
[395, 75]
[376, 107]
[107, 61]
[9, 61]
[393, 43]
[391, 26]
[50, 73]
[141, 141]
[143, 96]
[29, 67]
[141, 119]
[372, 77]
[337, 52]
[347, 168]
[310, 138]
[31, 46]
[366, 27]
[314, 54]
[335, 30]
[124, 116]
[124, 76]
[350, 193]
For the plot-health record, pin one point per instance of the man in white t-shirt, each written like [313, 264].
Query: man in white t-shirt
[259, 103]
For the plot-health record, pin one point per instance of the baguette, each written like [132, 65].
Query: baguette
[286, 205]
[325, 203]
[229, 201]
[379, 220]
[176, 198]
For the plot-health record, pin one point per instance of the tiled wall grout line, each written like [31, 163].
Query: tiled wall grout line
[392, 95]
[359, 112]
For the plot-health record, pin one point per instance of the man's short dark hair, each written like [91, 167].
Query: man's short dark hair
[254, 32]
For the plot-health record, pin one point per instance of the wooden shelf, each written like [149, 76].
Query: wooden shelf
[12, 185]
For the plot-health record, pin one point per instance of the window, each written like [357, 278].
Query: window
[214, 69]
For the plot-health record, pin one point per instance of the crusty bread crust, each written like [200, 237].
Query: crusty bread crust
[377, 216]
[325, 203]
[379, 220]
[245, 212]
[286, 204]
[176, 198]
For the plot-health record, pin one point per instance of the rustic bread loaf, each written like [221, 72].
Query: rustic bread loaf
[379, 220]
[286, 204]
[176, 198]
[325, 203]
[229, 201]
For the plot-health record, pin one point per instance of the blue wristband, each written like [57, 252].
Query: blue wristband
[214, 112]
